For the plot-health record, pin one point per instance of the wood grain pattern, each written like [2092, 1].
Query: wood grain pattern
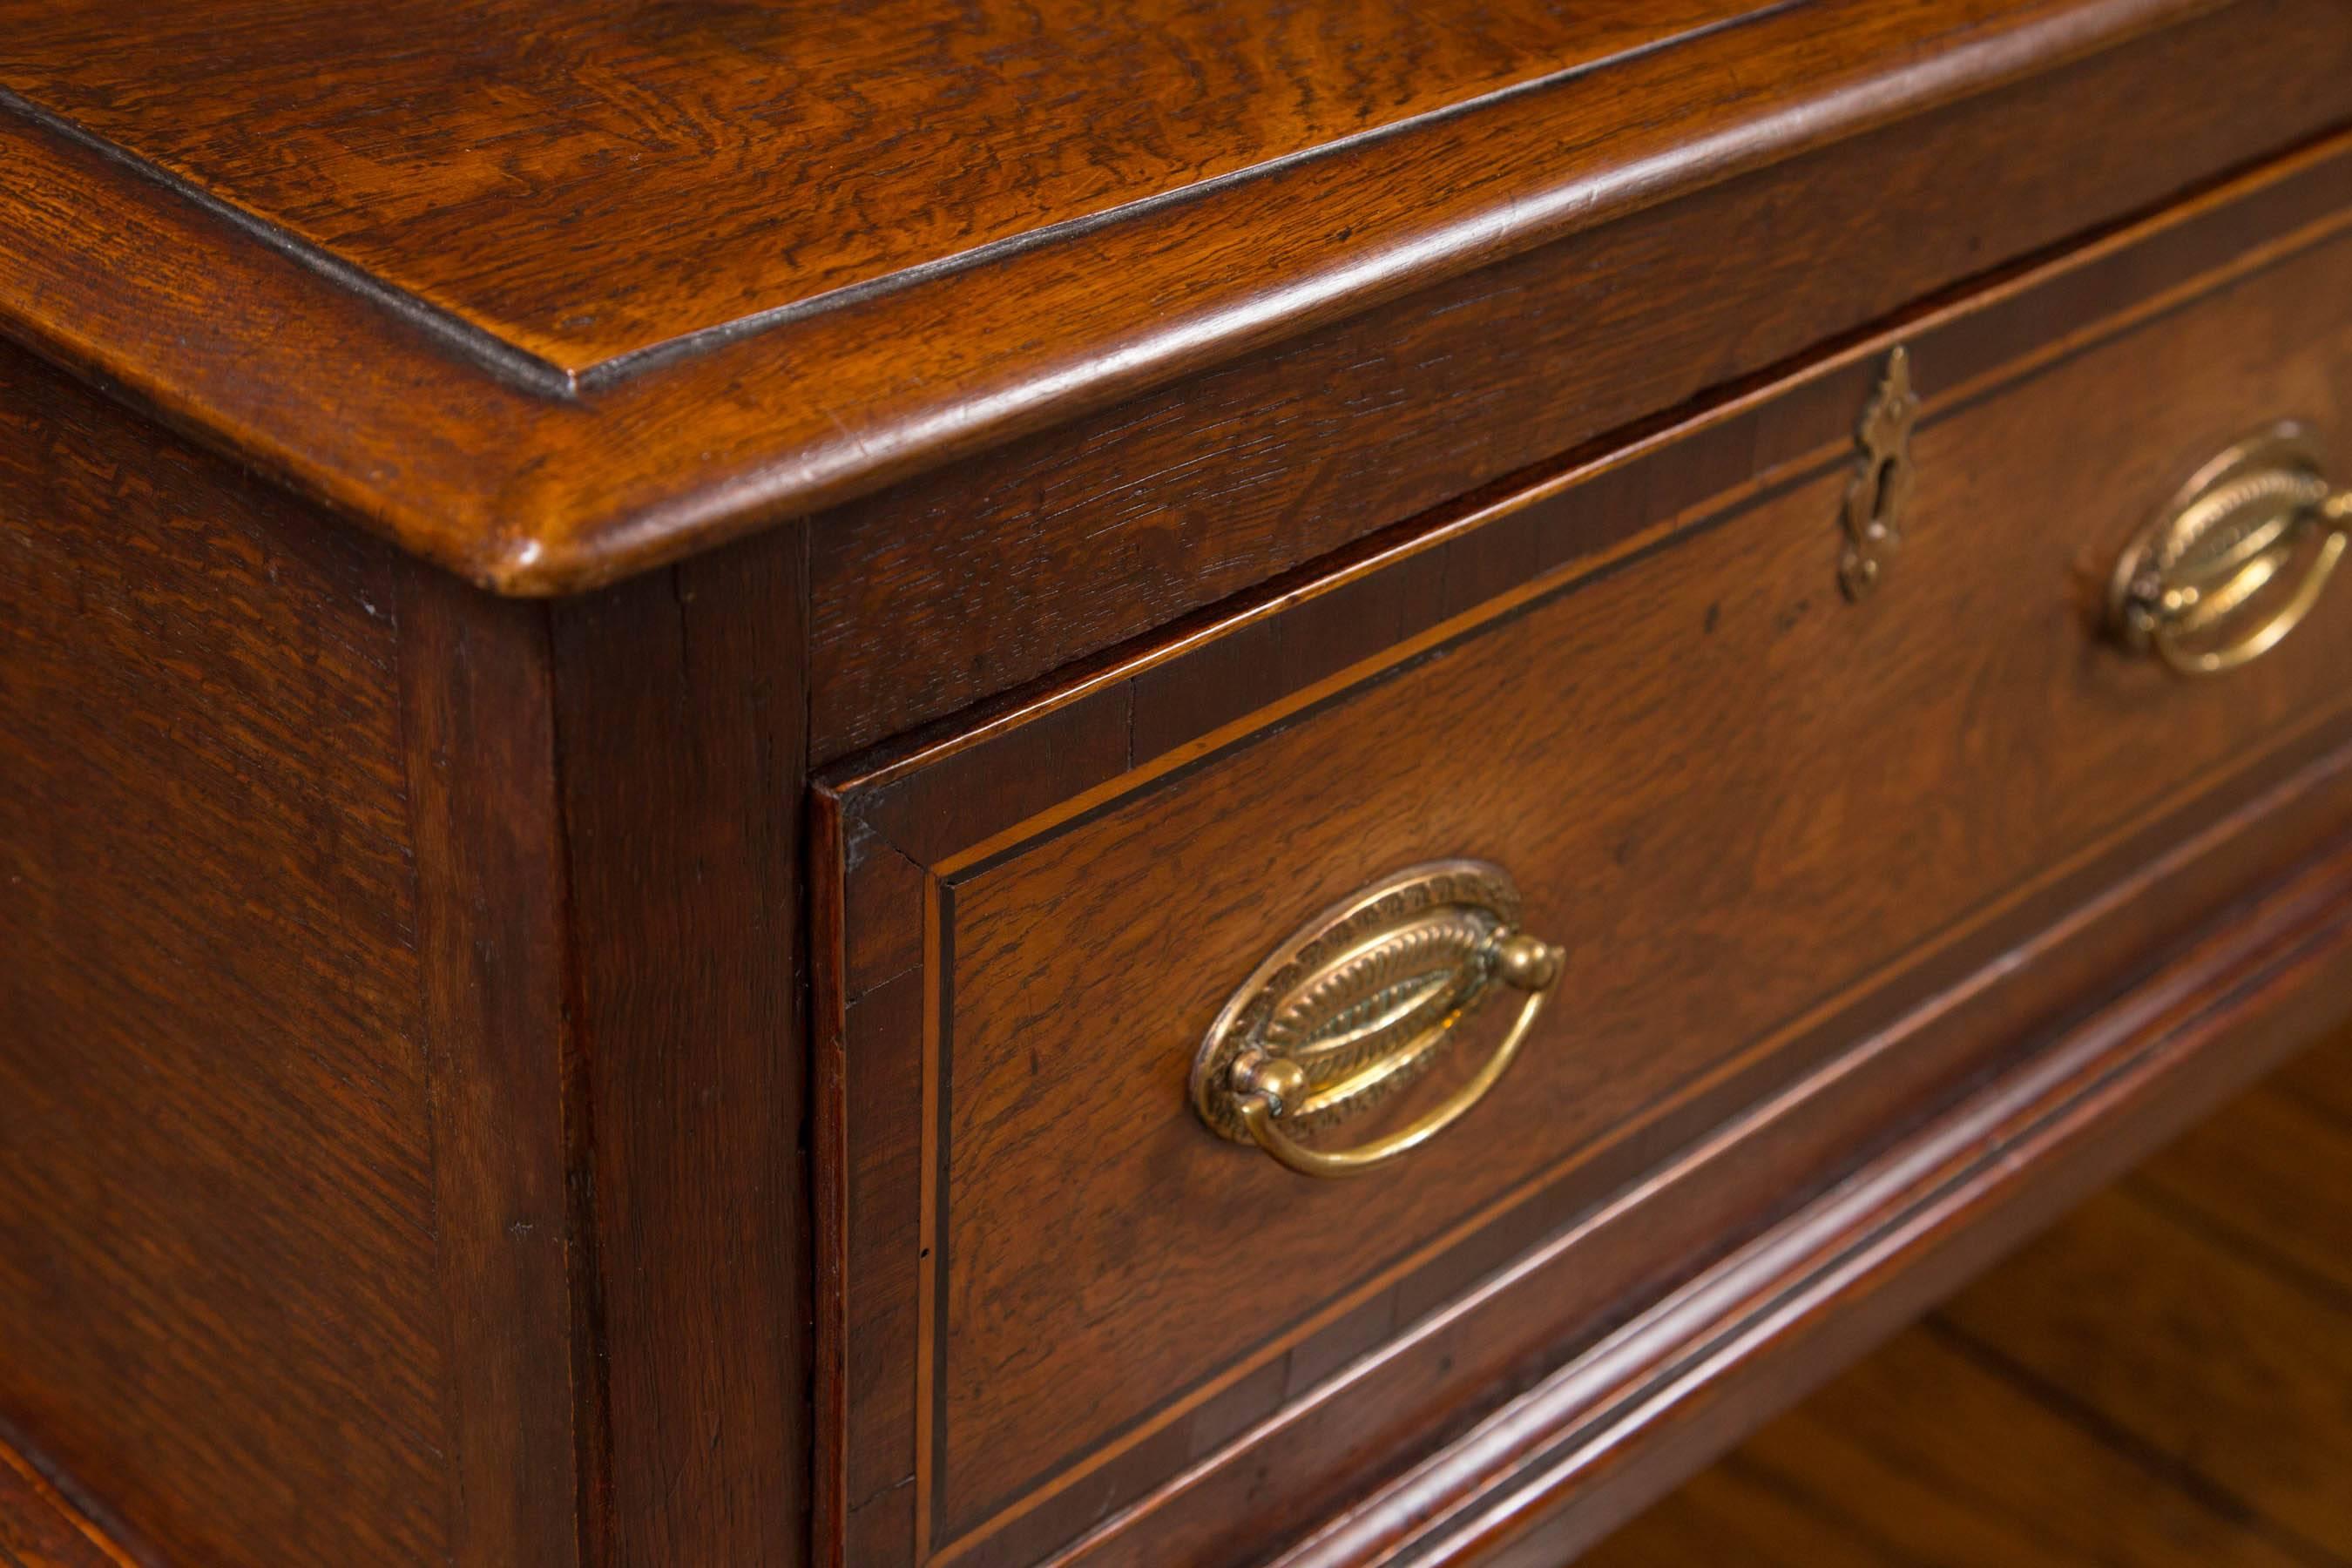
[2240, 1384]
[1581, 1456]
[749, 158]
[409, 1093]
[1521, 1301]
[1268, 1471]
[363, 1148]
[1944, 1446]
[679, 720]
[1322, 1464]
[217, 1198]
[512, 470]
[40, 1529]
[487, 838]
[1786, 788]
[2275, 1172]
[1924, 1453]
[1081, 537]
[1686, 658]
[2324, 1092]
[290, 1149]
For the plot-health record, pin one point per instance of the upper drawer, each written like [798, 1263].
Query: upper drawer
[1763, 821]
[1098, 530]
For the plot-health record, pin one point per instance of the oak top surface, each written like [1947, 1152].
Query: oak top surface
[553, 291]
[589, 180]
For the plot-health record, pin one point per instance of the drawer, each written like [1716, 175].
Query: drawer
[1802, 859]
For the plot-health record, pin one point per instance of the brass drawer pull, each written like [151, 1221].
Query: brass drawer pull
[2237, 560]
[1362, 1000]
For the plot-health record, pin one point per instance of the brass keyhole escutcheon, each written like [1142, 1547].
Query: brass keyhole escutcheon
[1879, 493]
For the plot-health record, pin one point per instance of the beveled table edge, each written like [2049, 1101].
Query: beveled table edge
[532, 480]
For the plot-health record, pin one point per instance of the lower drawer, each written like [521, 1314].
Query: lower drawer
[1772, 821]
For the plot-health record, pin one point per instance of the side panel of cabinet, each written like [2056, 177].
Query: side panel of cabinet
[247, 1208]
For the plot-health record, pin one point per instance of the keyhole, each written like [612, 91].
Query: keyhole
[1882, 501]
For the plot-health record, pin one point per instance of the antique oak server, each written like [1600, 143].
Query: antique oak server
[1191, 783]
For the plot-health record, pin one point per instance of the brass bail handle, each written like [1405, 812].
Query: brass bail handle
[2238, 560]
[1361, 1001]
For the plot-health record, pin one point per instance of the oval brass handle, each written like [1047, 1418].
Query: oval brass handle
[1362, 1000]
[2237, 560]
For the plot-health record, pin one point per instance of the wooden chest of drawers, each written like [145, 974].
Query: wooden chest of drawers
[1695, 642]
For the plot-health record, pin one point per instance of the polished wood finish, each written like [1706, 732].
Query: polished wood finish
[217, 1102]
[753, 160]
[356, 1179]
[480, 730]
[1993, 1475]
[690, 1071]
[2273, 1174]
[1951, 1444]
[2253, 1358]
[1220, 482]
[1319, 1458]
[679, 722]
[40, 1529]
[1554, 1474]
[537, 476]
[1198, 799]
[2309, 1082]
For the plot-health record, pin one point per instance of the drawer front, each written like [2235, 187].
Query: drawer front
[1762, 819]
